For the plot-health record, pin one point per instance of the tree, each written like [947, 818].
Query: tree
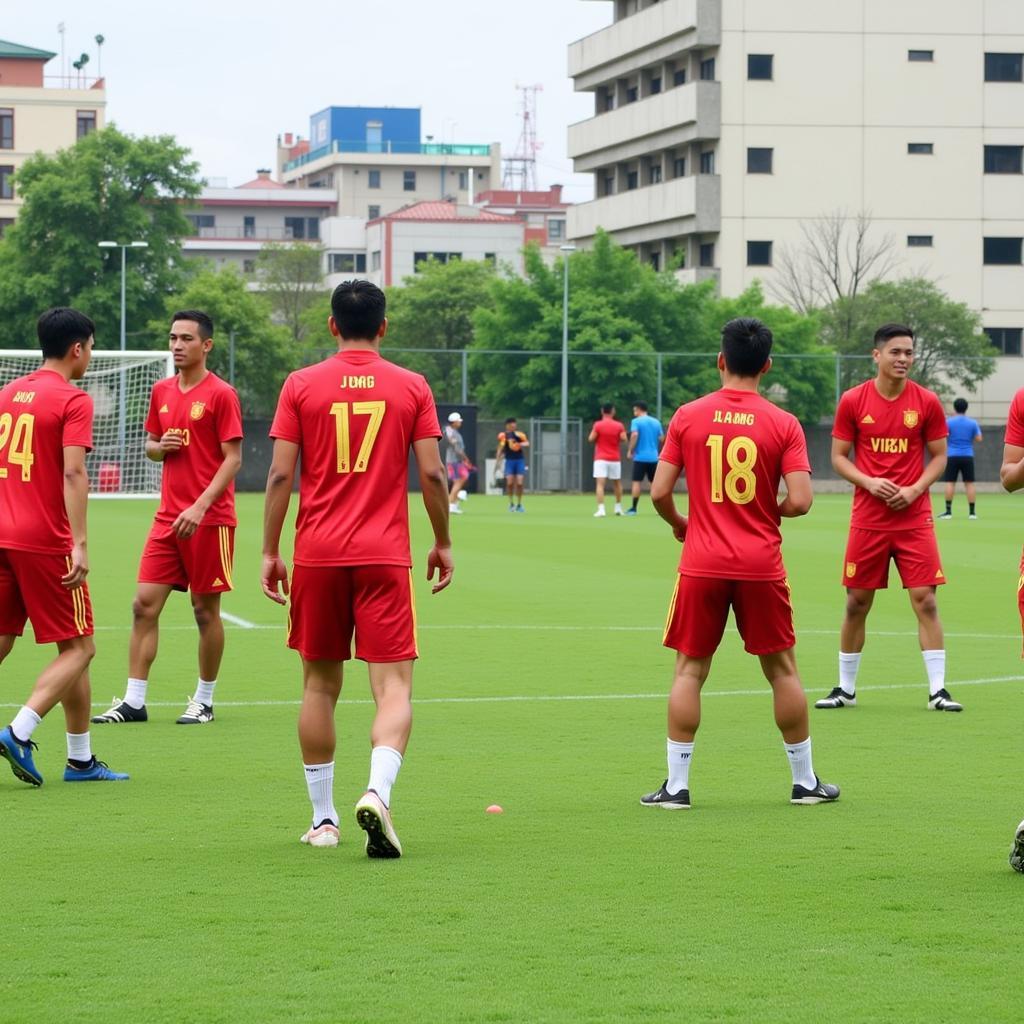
[108, 186]
[950, 348]
[291, 277]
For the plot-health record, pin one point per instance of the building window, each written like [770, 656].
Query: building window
[348, 263]
[759, 254]
[86, 123]
[248, 266]
[706, 257]
[200, 221]
[408, 181]
[679, 76]
[1003, 251]
[707, 70]
[1004, 67]
[249, 227]
[632, 180]
[556, 229]
[372, 212]
[632, 93]
[654, 174]
[679, 167]
[374, 136]
[919, 241]
[655, 86]
[6, 128]
[1006, 339]
[301, 228]
[609, 100]
[373, 179]
[609, 185]
[921, 148]
[5, 223]
[759, 161]
[491, 257]
[759, 66]
[1004, 159]
[375, 260]
[921, 56]
[655, 260]
[707, 162]
[463, 181]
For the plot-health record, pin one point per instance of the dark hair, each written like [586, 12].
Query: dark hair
[960, 406]
[59, 328]
[608, 407]
[511, 419]
[642, 406]
[201, 320]
[358, 308]
[889, 331]
[746, 345]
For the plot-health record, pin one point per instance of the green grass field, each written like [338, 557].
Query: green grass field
[184, 895]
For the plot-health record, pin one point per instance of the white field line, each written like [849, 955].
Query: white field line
[236, 621]
[764, 691]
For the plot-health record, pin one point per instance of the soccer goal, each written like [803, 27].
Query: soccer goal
[120, 384]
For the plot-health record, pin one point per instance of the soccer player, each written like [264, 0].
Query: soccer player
[511, 445]
[964, 434]
[195, 429]
[352, 420]
[735, 447]
[457, 463]
[645, 437]
[607, 434]
[889, 421]
[45, 432]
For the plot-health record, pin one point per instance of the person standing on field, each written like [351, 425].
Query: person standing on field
[457, 463]
[45, 432]
[736, 448]
[194, 427]
[512, 445]
[889, 423]
[351, 420]
[607, 435]
[645, 437]
[964, 434]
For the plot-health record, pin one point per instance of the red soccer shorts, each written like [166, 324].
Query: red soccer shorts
[700, 609]
[30, 589]
[329, 602]
[202, 563]
[915, 552]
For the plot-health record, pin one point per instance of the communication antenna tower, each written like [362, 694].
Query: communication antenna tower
[521, 167]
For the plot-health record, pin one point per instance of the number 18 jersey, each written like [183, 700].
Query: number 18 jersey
[734, 446]
[354, 417]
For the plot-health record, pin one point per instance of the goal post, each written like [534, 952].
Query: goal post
[119, 384]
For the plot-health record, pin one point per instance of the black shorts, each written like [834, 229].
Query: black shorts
[962, 465]
[644, 469]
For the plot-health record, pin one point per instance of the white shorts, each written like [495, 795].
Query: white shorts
[607, 470]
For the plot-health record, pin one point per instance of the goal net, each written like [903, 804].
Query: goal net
[120, 384]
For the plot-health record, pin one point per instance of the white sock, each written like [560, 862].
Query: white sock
[618, 506]
[679, 757]
[24, 724]
[384, 765]
[204, 692]
[320, 783]
[79, 746]
[135, 693]
[848, 665]
[935, 666]
[799, 755]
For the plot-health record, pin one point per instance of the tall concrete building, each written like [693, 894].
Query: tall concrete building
[722, 126]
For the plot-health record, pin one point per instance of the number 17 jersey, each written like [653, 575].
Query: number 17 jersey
[354, 417]
[735, 447]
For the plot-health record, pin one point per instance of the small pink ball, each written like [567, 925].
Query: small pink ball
[495, 809]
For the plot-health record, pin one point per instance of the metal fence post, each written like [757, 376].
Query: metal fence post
[659, 386]
[839, 377]
[465, 377]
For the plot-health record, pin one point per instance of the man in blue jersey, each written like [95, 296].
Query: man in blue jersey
[964, 433]
[645, 437]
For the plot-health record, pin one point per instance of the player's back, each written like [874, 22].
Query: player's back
[735, 446]
[354, 416]
[40, 414]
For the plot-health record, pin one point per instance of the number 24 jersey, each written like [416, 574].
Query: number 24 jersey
[735, 447]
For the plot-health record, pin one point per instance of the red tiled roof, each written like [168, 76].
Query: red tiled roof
[443, 211]
[263, 181]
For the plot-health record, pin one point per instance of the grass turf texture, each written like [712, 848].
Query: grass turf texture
[185, 894]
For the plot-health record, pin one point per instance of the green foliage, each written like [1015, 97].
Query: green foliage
[291, 277]
[107, 187]
[264, 351]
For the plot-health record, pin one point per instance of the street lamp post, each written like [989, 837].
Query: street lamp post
[564, 427]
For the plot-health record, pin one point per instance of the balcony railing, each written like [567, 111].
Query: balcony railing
[385, 148]
[236, 232]
[73, 82]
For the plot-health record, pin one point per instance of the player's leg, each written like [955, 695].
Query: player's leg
[615, 475]
[6, 645]
[206, 611]
[321, 687]
[600, 476]
[949, 476]
[510, 488]
[634, 490]
[520, 482]
[82, 765]
[972, 495]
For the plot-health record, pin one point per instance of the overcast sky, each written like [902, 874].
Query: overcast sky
[227, 76]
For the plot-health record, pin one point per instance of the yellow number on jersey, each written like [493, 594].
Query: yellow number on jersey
[19, 433]
[340, 412]
[738, 483]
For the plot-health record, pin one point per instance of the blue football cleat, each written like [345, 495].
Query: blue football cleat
[98, 771]
[19, 757]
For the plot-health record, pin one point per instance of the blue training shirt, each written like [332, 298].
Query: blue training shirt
[962, 432]
[648, 430]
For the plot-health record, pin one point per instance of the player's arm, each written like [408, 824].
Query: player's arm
[592, 436]
[799, 495]
[977, 437]
[665, 477]
[1011, 472]
[634, 436]
[906, 496]
[434, 486]
[847, 469]
[158, 447]
[280, 480]
[190, 519]
[524, 441]
[76, 500]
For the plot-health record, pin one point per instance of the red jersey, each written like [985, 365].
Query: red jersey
[41, 414]
[354, 417]
[889, 440]
[205, 416]
[735, 447]
[1015, 421]
[606, 444]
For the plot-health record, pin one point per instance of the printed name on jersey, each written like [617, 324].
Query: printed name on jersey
[197, 410]
[182, 432]
[890, 445]
[366, 381]
[743, 419]
[868, 419]
[23, 396]
[910, 418]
